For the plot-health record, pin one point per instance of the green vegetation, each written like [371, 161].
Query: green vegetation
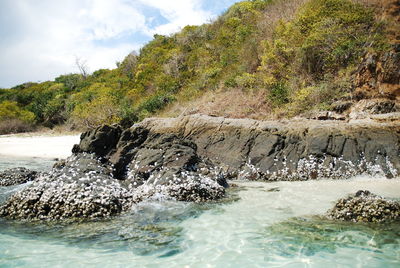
[10, 110]
[298, 60]
[14, 119]
[309, 61]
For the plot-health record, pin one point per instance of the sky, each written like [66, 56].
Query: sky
[42, 39]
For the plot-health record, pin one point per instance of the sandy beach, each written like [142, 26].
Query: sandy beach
[37, 146]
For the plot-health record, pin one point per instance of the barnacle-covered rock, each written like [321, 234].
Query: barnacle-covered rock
[188, 187]
[15, 176]
[82, 188]
[365, 206]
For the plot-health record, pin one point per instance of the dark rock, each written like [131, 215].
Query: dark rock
[125, 149]
[289, 150]
[99, 141]
[278, 151]
[165, 154]
[139, 155]
[365, 206]
[15, 176]
[363, 193]
[172, 167]
[59, 164]
[274, 189]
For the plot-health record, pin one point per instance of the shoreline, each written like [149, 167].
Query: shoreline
[42, 132]
[40, 145]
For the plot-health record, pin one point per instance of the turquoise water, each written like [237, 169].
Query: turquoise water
[257, 225]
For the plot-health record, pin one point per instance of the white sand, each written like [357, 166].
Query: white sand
[37, 146]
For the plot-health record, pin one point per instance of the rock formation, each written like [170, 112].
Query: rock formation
[15, 176]
[285, 150]
[365, 206]
[189, 159]
[90, 185]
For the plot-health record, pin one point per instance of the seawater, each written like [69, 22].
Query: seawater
[257, 225]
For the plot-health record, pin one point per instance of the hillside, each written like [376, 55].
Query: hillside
[261, 59]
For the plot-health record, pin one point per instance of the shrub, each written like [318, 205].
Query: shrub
[230, 82]
[212, 72]
[167, 84]
[246, 81]
[70, 81]
[319, 96]
[10, 110]
[279, 93]
[325, 36]
[282, 53]
[101, 110]
[54, 113]
[13, 119]
[127, 113]
[156, 103]
[303, 64]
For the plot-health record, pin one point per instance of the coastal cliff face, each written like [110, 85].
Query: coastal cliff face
[268, 150]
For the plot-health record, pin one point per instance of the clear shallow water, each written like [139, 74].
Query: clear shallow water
[34, 163]
[258, 225]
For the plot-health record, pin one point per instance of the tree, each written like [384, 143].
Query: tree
[82, 66]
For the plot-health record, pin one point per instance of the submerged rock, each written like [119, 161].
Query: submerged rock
[15, 176]
[365, 206]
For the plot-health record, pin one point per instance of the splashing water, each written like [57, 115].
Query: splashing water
[258, 225]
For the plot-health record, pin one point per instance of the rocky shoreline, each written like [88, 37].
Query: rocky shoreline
[290, 150]
[365, 206]
[191, 158]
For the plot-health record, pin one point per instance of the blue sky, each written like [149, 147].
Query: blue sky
[41, 39]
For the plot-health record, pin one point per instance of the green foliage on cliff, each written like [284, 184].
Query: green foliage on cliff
[312, 56]
[301, 59]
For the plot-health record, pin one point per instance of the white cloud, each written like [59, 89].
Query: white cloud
[179, 13]
[49, 34]
[54, 35]
[110, 18]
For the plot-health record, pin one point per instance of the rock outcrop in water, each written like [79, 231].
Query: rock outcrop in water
[90, 185]
[15, 176]
[268, 150]
[81, 188]
[189, 159]
[290, 150]
[365, 206]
